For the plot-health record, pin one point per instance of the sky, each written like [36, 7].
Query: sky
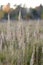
[28, 3]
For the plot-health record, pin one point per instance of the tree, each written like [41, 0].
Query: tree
[6, 9]
[35, 14]
[1, 14]
[42, 14]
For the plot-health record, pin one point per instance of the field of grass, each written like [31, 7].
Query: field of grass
[21, 43]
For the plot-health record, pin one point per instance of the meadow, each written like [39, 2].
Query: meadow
[21, 42]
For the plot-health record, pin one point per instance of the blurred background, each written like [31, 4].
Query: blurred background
[28, 9]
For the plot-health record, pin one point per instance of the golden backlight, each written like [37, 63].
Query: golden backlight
[6, 8]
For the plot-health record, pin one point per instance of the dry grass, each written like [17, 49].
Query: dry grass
[18, 42]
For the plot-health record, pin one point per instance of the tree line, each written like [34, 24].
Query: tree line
[26, 13]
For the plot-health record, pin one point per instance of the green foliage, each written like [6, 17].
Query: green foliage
[1, 14]
[5, 15]
[42, 14]
[2, 57]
